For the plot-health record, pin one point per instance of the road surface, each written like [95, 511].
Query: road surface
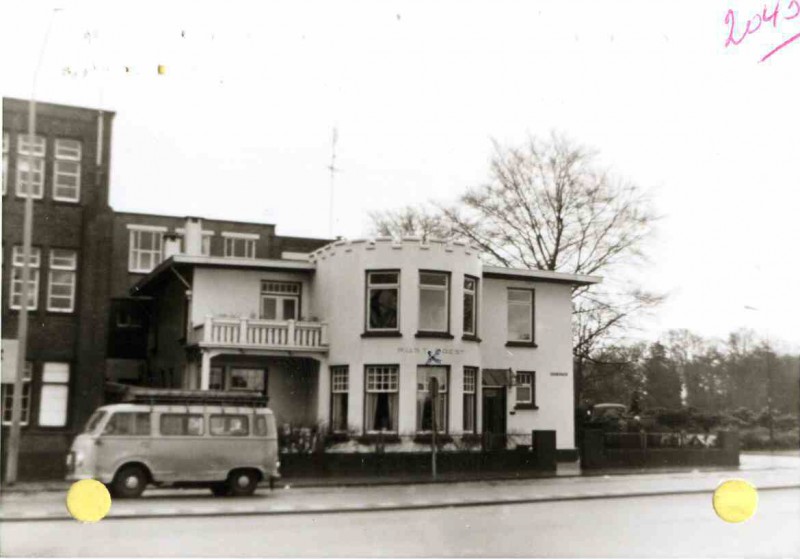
[656, 526]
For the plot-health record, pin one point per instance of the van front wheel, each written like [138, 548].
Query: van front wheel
[129, 482]
[242, 483]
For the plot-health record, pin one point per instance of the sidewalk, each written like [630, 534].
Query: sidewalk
[288, 499]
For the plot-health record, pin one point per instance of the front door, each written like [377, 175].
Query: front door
[494, 416]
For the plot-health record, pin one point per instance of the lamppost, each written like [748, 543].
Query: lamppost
[27, 234]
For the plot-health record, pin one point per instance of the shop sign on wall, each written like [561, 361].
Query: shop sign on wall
[432, 356]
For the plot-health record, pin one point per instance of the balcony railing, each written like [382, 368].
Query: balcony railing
[262, 334]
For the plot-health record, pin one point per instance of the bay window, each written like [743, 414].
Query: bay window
[380, 403]
[434, 302]
[470, 306]
[383, 301]
[425, 400]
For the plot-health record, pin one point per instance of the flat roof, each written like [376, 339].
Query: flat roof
[185, 260]
[498, 272]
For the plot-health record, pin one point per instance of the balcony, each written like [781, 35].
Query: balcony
[250, 333]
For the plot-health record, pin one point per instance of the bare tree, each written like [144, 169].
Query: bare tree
[549, 206]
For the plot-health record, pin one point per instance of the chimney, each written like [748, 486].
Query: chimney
[172, 245]
[193, 237]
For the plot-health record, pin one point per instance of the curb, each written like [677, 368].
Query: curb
[381, 507]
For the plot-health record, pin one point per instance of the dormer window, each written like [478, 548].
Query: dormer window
[240, 245]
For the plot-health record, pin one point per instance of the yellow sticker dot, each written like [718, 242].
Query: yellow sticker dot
[88, 500]
[735, 500]
[162, 69]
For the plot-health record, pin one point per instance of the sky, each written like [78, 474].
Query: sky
[674, 97]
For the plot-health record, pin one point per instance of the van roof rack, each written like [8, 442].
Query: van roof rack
[143, 395]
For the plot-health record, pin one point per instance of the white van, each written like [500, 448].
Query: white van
[221, 440]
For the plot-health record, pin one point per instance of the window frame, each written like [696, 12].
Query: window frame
[525, 404]
[134, 253]
[57, 172]
[509, 304]
[447, 391]
[229, 242]
[38, 185]
[35, 269]
[474, 393]
[6, 151]
[135, 422]
[473, 335]
[187, 416]
[342, 389]
[368, 287]
[448, 303]
[279, 297]
[73, 268]
[396, 391]
[25, 402]
[245, 417]
[45, 383]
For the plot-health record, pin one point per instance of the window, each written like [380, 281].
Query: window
[25, 165]
[526, 388]
[176, 425]
[340, 386]
[18, 260]
[520, 315]
[61, 283]
[5, 161]
[229, 425]
[383, 301]
[128, 424]
[215, 381]
[434, 302]
[280, 300]
[240, 245]
[425, 411]
[8, 397]
[470, 306]
[94, 421]
[380, 410]
[248, 379]
[264, 428]
[67, 170]
[470, 401]
[145, 248]
[54, 395]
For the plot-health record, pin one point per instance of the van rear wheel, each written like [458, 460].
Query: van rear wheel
[242, 483]
[129, 482]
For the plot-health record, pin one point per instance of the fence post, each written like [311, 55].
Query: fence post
[243, 330]
[290, 334]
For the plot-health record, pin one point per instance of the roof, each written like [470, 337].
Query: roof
[497, 272]
[185, 260]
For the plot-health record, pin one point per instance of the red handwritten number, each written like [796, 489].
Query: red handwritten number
[773, 17]
[731, 40]
[796, 7]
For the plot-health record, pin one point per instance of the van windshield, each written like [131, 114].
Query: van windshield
[96, 418]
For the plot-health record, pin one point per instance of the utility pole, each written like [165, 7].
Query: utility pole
[333, 170]
[15, 431]
[22, 325]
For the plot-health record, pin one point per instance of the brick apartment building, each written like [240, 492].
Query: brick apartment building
[85, 328]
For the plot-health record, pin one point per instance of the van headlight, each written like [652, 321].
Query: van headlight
[78, 459]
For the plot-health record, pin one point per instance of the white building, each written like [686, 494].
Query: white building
[347, 338]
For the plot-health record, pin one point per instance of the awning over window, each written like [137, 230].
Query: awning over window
[496, 377]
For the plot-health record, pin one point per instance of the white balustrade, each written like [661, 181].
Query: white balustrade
[258, 333]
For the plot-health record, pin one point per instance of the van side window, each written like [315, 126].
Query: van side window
[177, 424]
[229, 425]
[261, 426]
[128, 424]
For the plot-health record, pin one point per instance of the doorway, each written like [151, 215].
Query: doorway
[494, 416]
